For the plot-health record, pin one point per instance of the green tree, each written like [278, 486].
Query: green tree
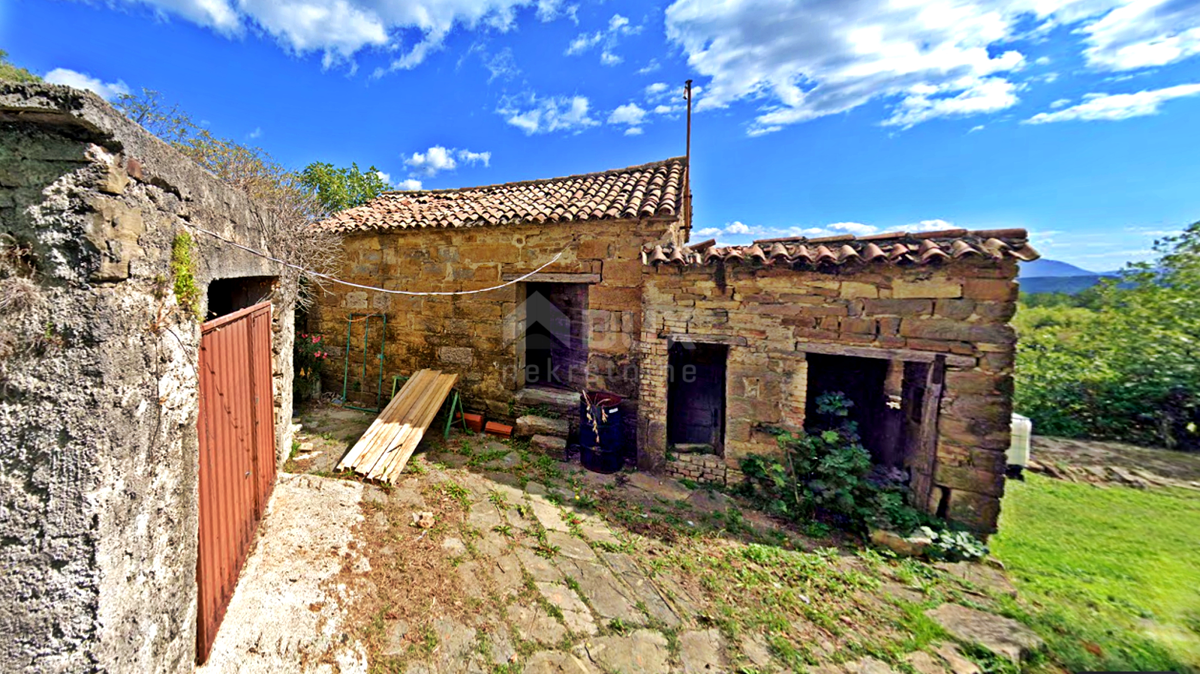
[1127, 366]
[12, 73]
[340, 188]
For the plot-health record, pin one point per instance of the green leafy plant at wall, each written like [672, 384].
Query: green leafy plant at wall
[183, 273]
[825, 473]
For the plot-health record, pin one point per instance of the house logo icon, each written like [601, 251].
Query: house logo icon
[549, 340]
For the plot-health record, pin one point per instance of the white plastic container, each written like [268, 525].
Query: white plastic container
[1018, 448]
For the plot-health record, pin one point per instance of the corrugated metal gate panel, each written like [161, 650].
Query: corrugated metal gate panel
[237, 455]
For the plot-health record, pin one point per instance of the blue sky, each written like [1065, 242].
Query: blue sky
[1076, 119]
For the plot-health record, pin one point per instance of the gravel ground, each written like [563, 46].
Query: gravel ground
[287, 611]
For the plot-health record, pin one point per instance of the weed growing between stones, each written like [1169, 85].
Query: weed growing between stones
[183, 275]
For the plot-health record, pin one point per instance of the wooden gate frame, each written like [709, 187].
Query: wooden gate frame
[237, 460]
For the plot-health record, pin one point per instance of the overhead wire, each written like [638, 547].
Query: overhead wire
[334, 279]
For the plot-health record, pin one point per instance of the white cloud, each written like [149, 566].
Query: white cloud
[216, 14]
[71, 78]
[256, 133]
[650, 67]
[797, 61]
[978, 127]
[656, 89]
[545, 114]
[386, 178]
[1060, 103]
[469, 157]
[1112, 107]
[1042, 60]
[438, 159]
[583, 42]
[629, 113]
[741, 230]
[1143, 33]
[922, 103]
[618, 26]
[409, 185]
[341, 28]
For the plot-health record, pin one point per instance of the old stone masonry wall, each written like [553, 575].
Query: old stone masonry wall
[771, 318]
[98, 384]
[479, 336]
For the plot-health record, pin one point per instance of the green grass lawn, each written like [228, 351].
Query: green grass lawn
[1109, 577]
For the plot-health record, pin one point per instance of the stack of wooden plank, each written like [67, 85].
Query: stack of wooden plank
[382, 452]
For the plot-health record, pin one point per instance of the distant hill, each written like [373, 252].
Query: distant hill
[1049, 268]
[1054, 276]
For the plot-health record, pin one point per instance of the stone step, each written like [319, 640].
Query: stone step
[560, 400]
[530, 425]
[548, 444]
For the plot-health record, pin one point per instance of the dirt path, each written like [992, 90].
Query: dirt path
[287, 613]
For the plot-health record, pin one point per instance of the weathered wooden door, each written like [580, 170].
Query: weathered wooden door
[237, 455]
[923, 383]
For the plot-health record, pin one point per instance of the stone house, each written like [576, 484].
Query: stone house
[103, 501]
[714, 349]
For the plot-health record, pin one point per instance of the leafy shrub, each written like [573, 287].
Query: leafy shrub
[827, 473]
[954, 546]
[1123, 362]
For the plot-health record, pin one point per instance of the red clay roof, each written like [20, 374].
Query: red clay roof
[648, 190]
[893, 248]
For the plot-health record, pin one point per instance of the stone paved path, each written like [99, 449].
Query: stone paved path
[547, 588]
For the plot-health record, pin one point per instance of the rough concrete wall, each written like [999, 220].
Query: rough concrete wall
[477, 336]
[768, 316]
[98, 386]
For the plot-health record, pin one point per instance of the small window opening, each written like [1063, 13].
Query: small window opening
[696, 397]
[228, 295]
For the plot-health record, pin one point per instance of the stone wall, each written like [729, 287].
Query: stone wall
[696, 467]
[769, 317]
[479, 336]
[98, 384]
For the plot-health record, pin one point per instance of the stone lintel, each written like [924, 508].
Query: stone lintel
[885, 354]
[552, 277]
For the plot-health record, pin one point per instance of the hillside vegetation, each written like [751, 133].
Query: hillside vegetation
[1121, 360]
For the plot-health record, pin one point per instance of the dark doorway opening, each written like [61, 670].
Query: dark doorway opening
[696, 397]
[555, 338]
[873, 385]
[227, 295]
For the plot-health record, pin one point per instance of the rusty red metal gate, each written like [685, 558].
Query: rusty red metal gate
[237, 455]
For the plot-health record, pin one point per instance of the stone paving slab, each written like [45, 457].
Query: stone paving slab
[576, 615]
[571, 546]
[702, 651]
[602, 590]
[548, 514]
[642, 651]
[642, 588]
[534, 623]
[540, 568]
[558, 662]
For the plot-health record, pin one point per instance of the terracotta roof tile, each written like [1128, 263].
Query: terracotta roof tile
[894, 248]
[648, 190]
